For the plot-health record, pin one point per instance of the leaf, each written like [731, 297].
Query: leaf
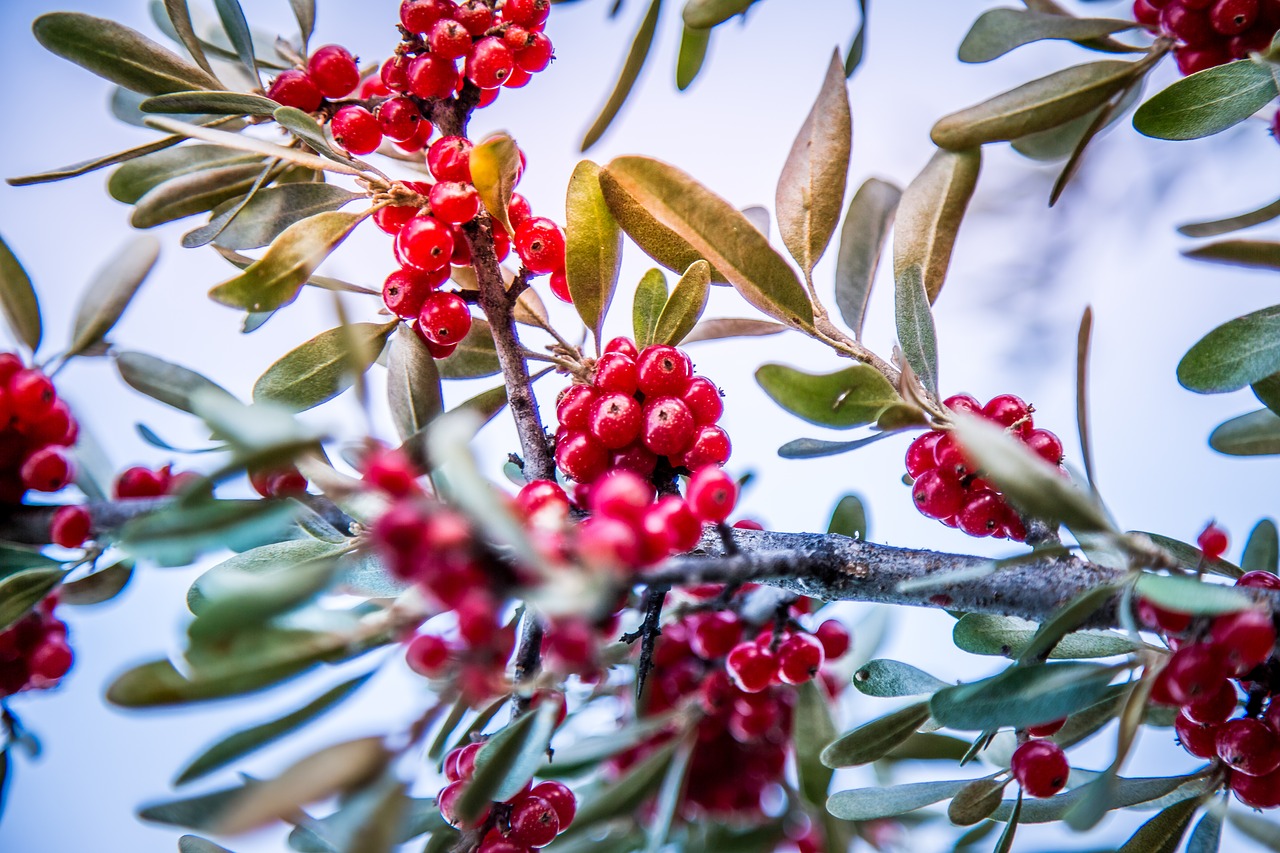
[475, 356]
[1217, 227]
[631, 69]
[732, 327]
[646, 308]
[210, 103]
[684, 306]
[1008, 636]
[849, 518]
[198, 812]
[1267, 390]
[873, 740]
[180, 17]
[927, 746]
[810, 190]
[237, 30]
[177, 534]
[1257, 828]
[198, 192]
[18, 299]
[413, 383]
[304, 11]
[693, 53]
[890, 678]
[103, 585]
[1261, 551]
[1187, 595]
[323, 367]
[593, 247]
[264, 559]
[1068, 139]
[1070, 616]
[584, 755]
[306, 128]
[1191, 557]
[169, 383]
[876, 803]
[274, 279]
[1258, 254]
[333, 769]
[195, 844]
[86, 166]
[119, 54]
[1028, 481]
[1021, 696]
[813, 448]
[1235, 354]
[998, 31]
[1041, 104]
[243, 742]
[350, 827]
[976, 801]
[486, 404]
[21, 591]
[811, 731]
[1005, 844]
[640, 190]
[136, 178]
[495, 168]
[1207, 102]
[916, 335]
[621, 798]
[850, 397]
[857, 47]
[669, 796]
[866, 227]
[929, 216]
[705, 14]
[1254, 434]
[235, 602]
[1207, 836]
[268, 213]
[1163, 833]
[110, 293]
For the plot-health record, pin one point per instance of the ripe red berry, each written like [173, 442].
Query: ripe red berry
[356, 129]
[295, 89]
[46, 470]
[615, 420]
[540, 244]
[966, 403]
[56, 426]
[417, 16]
[391, 471]
[622, 495]
[1259, 580]
[1047, 729]
[1249, 746]
[542, 496]
[751, 667]
[429, 76]
[445, 318]
[466, 764]
[536, 54]
[1188, 25]
[580, 456]
[703, 399]
[712, 494]
[490, 63]
[1041, 768]
[393, 217]
[526, 13]
[626, 346]
[448, 799]
[672, 514]
[31, 394]
[449, 159]
[1192, 60]
[51, 659]
[1212, 541]
[668, 426]
[950, 457]
[1214, 707]
[475, 15]
[1154, 616]
[333, 70]
[428, 655]
[140, 482]
[495, 842]
[982, 513]
[454, 202]
[1046, 445]
[534, 822]
[399, 118]
[1197, 739]
[449, 39]
[517, 79]
[663, 370]
[799, 658]
[1254, 40]
[607, 542]
[1194, 672]
[424, 244]
[573, 407]
[561, 799]
[1006, 410]
[713, 635]
[560, 286]
[1246, 638]
[615, 372]
[69, 527]
[1232, 17]
[835, 639]
[920, 453]
[937, 494]
[1256, 792]
[710, 446]
[405, 290]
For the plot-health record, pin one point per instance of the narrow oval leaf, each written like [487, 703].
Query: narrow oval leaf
[1125, 792]
[1008, 636]
[646, 307]
[274, 279]
[694, 44]
[627, 77]
[18, 299]
[180, 17]
[508, 760]
[1262, 551]
[169, 383]
[929, 216]
[1207, 102]
[593, 247]
[1035, 106]
[1217, 227]
[872, 740]
[862, 239]
[1163, 833]
[732, 327]
[177, 534]
[111, 291]
[196, 844]
[1021, 696]
[475, 356]
[495, 167]
[976, 801]
[268, 213]
[413, 383]
[847, 398]
[1187, 595]
[323, 367]
[1254, 434]
[276, 556]
[103, 585]
[210, 103]
[717, 231]
[119, 54]
[1207, 836]
[685, 305]
[891, 678]
[705, 14]
[812, 731]
[810, 191]
[236, 27]
[196, 193]
[21, 591]
[1267, 390]
[1237, 353]
[198, 812]
[1257, 828]
[143, 174]
[849, 518]
[914, 321]
[998, 31]
[813, 448]
[876, 803]
[304, 11]
[622, 797]
[1192, 558]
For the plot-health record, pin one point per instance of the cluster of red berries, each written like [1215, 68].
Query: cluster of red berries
[35, 429]
[948, 487]
[1211, 32]
[34, 653]
[642, 408]
[529, 820]
[747, 708]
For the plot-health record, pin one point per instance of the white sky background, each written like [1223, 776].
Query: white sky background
[1021, 275]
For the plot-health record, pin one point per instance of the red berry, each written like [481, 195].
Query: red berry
[950, 456]
[536, 54]
[937, 494]
[417, 16]
[424, 244]
[46, 470]
[429, 76]
[333, 70]
[448, 799]
[712, 494]
[405, 290]
[1006, 410]
[445, 318]
[626, 346]
[710, 446]
[703, 399]
[1213, 542]
[393, 217]
[982, 513]
[534, 822]
[391, 471]
[295, 89]
[1259, 580]
[672, 514]
[454, 202]
[1154, 616]
[580, 456]
[799, 658]
[1197, 739]
[518, 211]
[1246, 638]
[356, 129]
[752, 667]
[517, 79]
[1146, 14]
[615, 420]
[69, 527]
[399, 118]
[1047, 729]
[51, 659]
[428, 655]
[1214, 707]
[1041, 768]
[668, 426]
[615, 372]
[449, 159]
[920, 453]
[663, 370]
[31, 394]
[494, 842]
[573, 408]
[560, 286]
[475, 15]
[490, 63]
[966, 403]
[139, 482]
[1192, 60]
[540, 244]
[1249, 746]
[56, 426]
[543, 496]
[1194, 672]
[1232, 17]
[1046, 445]
[1255, 40]
[467, 760]
[1256, 792]
[835, 639]
[608, 542]
[449, 39]
[561, 799]
[526, 13]
[713, 635]
[1190, 26]
[621, 495]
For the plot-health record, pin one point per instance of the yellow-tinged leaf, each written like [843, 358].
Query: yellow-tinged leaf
[593, 247]
[495, 163]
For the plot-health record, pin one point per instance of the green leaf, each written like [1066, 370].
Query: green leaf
[1163, 833]
[1254, 434]
[236, 601]
[243, 742]
[1217, 227]
[627, 77]
[890, 678]
[1207, 102]
[210, 103]
[237, 30]
[646, 308]
[1028, 481]
[18, 299]
[813, 448]
[976, 801]
[180, 17]
[1187, 595]
[1008, 636]
[732, 327]
[998, 31]
[21, 591]
[927, 746]
[705, 14]
[119, 54]
[849, 518]
[96, 163]
[876, 803]
[413, 383]
[1035, 106]
[1087, 722]
[641, 191]
[239, 225]
[169, 383]
[1235, 354]
[274, 279]
[1207, 836]
[684, 306]
[847, 398]
[916, 335]
[862, 239]
[586, 754]
[1066, 140]
[929, 216]
[1257, 828]
[495, 168]
[1262, 551]
[1267, 390]
[509, 759]
[103, 585]
[621, 798]
[593, 247]
[857, 47]
[692, 55]
[199, 812]
[350, 825]
[198, 193]
[323, 367]
[110, 293]
[486, 404]
[812, 730]
[1005, 844]
[1021, 696]
[1191, 557]
[177, 534]
[810, 190]
[196, 844]
[475, 356]
[264, 559]
[1070, 616]
[871, 741]
[132, 181]
[306, 128]
[669, 796]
